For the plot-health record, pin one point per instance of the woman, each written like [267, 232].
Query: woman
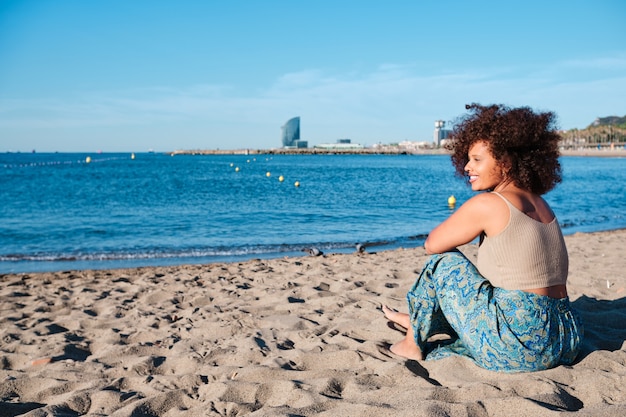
[510, 311]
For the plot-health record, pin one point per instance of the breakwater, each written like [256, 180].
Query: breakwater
[390, 150]
[581, 151]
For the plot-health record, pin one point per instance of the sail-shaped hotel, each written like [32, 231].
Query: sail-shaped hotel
[291, 134]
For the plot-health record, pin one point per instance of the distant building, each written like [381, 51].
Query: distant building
[441, 133]
[414, 146]
[291, 134]
[343, 144]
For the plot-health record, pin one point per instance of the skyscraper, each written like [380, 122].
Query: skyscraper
[291, 132]
[440, 133]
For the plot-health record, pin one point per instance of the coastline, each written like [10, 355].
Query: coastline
[285, 336]
[387, 150]
[607, 153]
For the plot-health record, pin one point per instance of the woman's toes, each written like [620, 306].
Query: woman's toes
[389, 312]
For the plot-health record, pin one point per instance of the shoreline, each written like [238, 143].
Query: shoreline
[470, 248]
[593, 152]
[75, 266]
[608, 153]
[287, 336]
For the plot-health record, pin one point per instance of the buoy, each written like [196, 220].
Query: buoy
[297, 183]
[268, 174]
[236, 169]
[231, 164]
[451, 200]
[88, 159]
[281, 178]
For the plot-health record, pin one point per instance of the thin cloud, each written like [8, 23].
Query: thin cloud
[610, 63]
[391, 99]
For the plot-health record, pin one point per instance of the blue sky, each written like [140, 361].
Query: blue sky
[165, 75]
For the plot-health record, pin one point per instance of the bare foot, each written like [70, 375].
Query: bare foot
[407, 349]
[400, 318]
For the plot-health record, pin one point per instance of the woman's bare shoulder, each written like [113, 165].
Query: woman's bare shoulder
[491, 211]
[487, 200]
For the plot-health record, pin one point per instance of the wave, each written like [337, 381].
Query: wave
[209, 253]
[50, 261]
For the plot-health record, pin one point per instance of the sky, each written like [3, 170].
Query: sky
[133, 76]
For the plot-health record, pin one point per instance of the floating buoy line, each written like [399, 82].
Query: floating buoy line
[86, 160]
[268, 174]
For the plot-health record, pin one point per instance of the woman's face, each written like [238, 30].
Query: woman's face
[482, 168]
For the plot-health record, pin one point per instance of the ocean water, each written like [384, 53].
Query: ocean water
[60, 212]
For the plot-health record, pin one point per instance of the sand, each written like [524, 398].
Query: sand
[283, 337]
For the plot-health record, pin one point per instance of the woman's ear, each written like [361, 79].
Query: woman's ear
[505, 166]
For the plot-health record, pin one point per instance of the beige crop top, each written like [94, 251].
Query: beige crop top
[526, 254]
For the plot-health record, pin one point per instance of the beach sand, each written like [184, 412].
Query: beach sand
[284, 337]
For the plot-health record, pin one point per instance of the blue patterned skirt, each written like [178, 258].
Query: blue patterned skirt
[501, 330]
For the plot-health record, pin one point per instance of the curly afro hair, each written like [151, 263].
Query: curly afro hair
[523, 142]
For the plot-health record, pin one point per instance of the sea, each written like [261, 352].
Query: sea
[71, 211]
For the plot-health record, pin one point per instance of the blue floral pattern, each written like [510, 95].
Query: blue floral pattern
[501, 330]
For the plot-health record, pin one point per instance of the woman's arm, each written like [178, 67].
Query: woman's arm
[478, 214]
